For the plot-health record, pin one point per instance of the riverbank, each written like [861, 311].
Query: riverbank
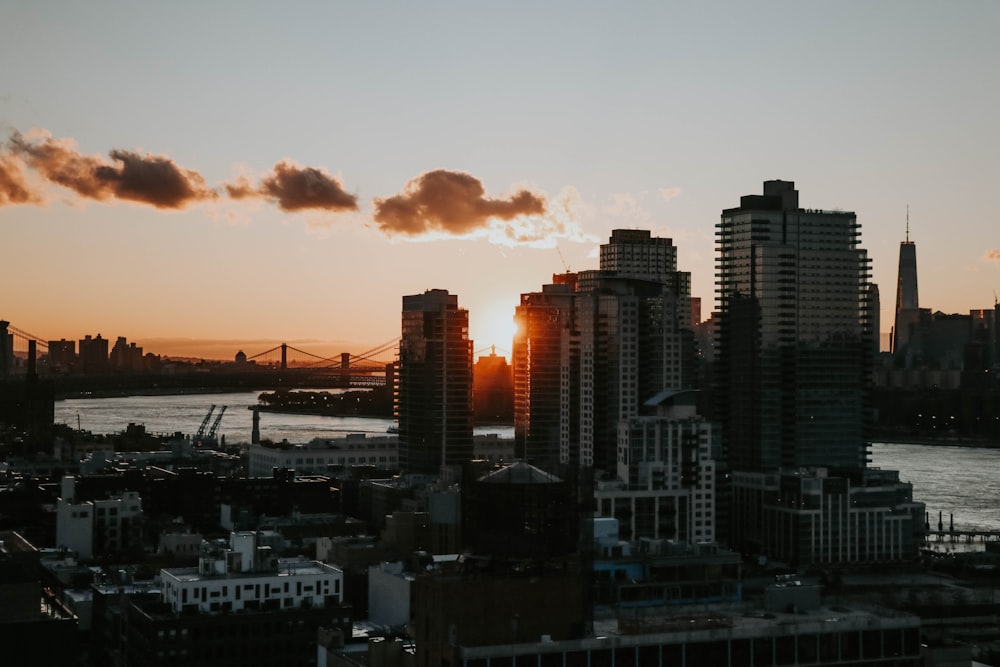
[949, 441]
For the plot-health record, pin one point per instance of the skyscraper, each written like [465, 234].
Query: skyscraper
[794, 333]
[595, 345]
[434, 384]
[907, 299]
[795, 348]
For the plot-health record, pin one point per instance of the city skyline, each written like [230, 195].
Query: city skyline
[305, 156]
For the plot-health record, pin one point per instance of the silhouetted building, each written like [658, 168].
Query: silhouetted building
[795, 336]
[35, 627]
[492, 390]
[126, 356]
[591, 347]
[523, 574]
[795, 353]
[434, 384]
[907, 297]
[6, 349]
[546, 381]
[62, 355]
[519, 512]
[93, 354]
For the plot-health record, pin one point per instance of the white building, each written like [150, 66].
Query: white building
[320, 455]
[389, 587]
[666, 475]
[246, 576]
[98, 526]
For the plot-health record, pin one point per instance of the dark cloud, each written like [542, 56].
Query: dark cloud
[992, 255]
[147, 179]
[450, 202]
[295, 188]
[13, 188]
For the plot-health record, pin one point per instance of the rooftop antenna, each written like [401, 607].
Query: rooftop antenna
[907, 223]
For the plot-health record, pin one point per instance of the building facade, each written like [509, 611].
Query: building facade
[665, 486]
[434, 384]
[795, 339]
[907, 297]
[594, 345]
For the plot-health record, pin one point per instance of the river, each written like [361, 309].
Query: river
[962, 481]
[168, 414]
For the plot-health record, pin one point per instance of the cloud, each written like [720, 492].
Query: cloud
[155, 180]
[14, 188]
[296, 188]
[451, 202]
[670, 193]
[992, 255]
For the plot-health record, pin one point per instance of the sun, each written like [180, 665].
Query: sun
[493, 325]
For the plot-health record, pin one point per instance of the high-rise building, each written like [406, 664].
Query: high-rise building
[593, 346]
[907, 299]
[434, 384]
[795, 336]
[545, 362]
[94, 354]
[6, 349]
[795, 350]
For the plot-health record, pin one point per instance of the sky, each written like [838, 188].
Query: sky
[208, 177]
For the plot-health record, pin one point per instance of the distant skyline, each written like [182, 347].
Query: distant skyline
[204, 178]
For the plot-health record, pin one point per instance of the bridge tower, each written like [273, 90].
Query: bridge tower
[284, 356]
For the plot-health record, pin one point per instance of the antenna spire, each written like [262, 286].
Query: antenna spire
[907, 223]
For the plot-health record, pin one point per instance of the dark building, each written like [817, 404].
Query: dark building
[94, 354]
[62, 355]
[593, 346]
[35, 627]
[492, 390]
[434, 384]
[525, 571]
[793, 388]
[519, 512]
[907, 297]
[794, 346]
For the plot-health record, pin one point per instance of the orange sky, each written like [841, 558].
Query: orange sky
[242, 177]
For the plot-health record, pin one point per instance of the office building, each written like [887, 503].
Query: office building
[907, 297]
[434, 384]
[794, 333]
[594, 345]
[546, 375]
[794, 358]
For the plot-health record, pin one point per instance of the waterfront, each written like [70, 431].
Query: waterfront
[952, 480]
[168, 414]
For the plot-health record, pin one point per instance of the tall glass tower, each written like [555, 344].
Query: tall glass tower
[907, 300]
[795, 334]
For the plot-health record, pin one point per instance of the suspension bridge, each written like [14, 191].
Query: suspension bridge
[283, 362]
[368, 369]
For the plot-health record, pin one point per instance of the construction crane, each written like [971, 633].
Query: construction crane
[215, 424]
[204, 424]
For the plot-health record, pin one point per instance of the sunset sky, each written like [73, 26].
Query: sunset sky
[208, 177]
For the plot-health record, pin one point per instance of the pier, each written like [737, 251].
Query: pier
[962, 536]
